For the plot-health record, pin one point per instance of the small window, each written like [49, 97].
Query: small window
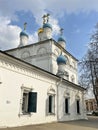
[66, 105]
[51, 104]
[78, 106]
[29, 102]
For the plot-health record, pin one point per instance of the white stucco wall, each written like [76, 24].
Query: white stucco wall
[63, 89]
[14, 76]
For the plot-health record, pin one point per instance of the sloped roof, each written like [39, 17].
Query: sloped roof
[43, 42]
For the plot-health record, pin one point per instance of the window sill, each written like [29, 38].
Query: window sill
[67, 114]
[51, 114]
[24, 114]
[78, 113]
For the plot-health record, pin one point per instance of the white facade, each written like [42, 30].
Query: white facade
[17, 77]
[31, 92]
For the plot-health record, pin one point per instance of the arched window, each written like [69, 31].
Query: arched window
[66, 102]
[41, 51]
[25, 54]
[50, 102]
[77, 104]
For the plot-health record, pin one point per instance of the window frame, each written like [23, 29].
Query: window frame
[51, 92]
[68, 98]
[78, 110]
[26, 107]
[52, 105]
[27, 90]
[66, 109]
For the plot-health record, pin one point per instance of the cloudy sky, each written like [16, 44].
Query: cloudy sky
[77, 17]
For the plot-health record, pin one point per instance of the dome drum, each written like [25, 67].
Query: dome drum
[23, 39]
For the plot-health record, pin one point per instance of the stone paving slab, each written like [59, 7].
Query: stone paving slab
[90, 124]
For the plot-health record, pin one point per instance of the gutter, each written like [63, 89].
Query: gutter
[58, 84]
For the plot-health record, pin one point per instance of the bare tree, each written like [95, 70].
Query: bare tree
[89, 65]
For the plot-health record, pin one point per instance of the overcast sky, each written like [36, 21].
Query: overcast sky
[77, 17]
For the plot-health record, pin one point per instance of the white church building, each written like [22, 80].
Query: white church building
[39, 82]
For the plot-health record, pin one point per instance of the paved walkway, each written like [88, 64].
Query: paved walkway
[90, 124]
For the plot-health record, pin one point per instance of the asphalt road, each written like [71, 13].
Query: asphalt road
[90, 124]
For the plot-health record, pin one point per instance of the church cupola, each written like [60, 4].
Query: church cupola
[23, 37]
[61, 40]
[23, 33]
[45, 32]
[47, 25]
[61, 61]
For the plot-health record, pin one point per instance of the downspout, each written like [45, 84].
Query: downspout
[58, 84]
[84, 105]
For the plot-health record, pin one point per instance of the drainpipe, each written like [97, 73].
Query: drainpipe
[84, 105]
[58, 84]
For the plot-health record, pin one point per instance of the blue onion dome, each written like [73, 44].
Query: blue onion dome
[47, 25]
[61, 39]
[23, 33]
[61, 59]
